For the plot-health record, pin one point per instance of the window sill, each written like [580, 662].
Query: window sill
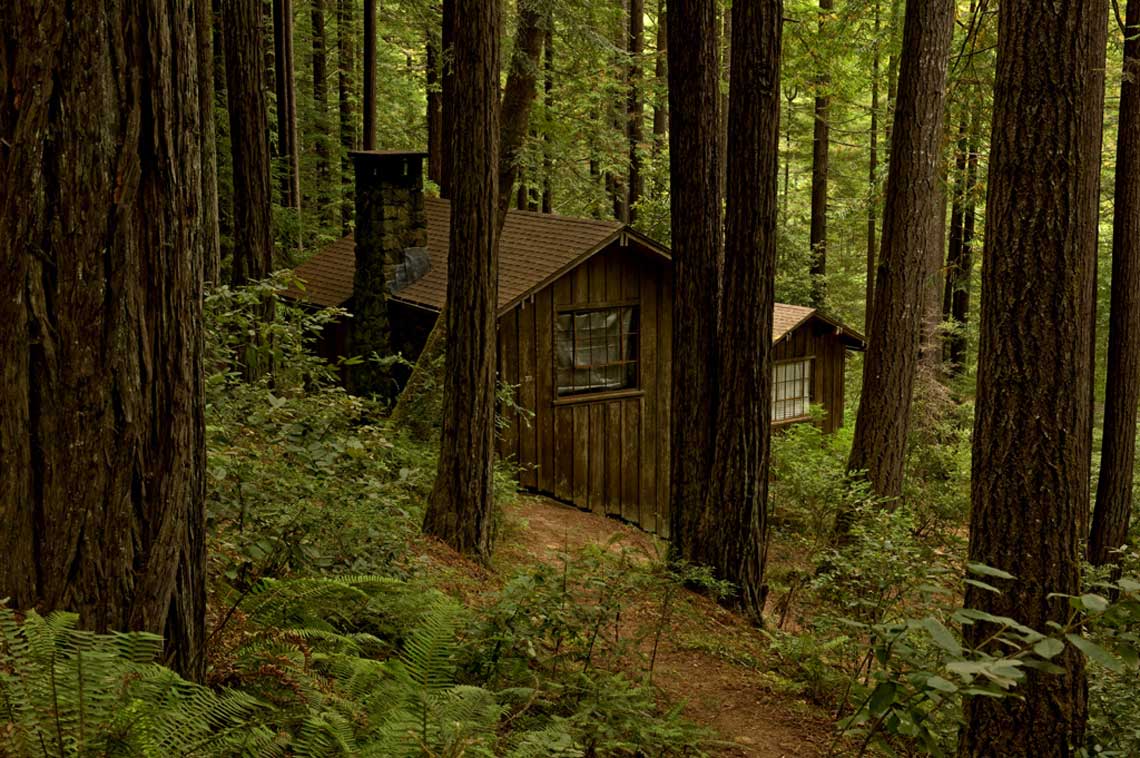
[790, 421]
[598, 397]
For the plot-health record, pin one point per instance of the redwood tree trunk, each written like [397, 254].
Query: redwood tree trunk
[1122, 388]
[518, 98]
[461, 507]
[346, 85]
[734, 526]
[909, 232]
[695, 209]
[636, 112]
[249, 143]
[821, 142]
[103, 235]
[1031, 446]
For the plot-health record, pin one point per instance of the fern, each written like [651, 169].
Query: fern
[66, 691]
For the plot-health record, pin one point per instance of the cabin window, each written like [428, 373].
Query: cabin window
[596, 350]
[791, 389]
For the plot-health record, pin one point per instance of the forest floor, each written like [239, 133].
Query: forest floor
[709, 661]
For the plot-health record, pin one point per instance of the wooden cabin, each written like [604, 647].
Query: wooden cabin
[585, 330]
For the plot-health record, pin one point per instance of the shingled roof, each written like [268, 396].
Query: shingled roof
[534, 250]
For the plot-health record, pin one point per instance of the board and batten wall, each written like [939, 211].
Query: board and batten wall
[607, 452]
[818, 341]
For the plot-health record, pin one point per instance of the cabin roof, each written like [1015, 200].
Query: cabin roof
[535, 249]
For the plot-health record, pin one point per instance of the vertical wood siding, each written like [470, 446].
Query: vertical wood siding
[605, 453]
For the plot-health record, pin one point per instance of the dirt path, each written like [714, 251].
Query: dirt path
[708, 657]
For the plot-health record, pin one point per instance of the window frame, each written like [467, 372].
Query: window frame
[810, 361]
[591, 395]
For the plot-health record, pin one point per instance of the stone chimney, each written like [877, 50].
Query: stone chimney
[391, 253]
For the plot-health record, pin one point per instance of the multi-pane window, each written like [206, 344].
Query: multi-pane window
[791, 389]
[596, 350]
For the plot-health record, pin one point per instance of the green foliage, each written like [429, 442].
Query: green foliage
[920, 671]
[67, 692]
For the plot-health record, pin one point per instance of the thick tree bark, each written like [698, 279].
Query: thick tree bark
[821, 144]
[548, 101]
[212, 256]
[369, 74]
[103, 241]
[323, 138]
[734, 526]
[1031, 448]
[288, 146]
[636, 110]
[872, 182]
[695, 210]
[346, 85]
[461, 507]
[909, 233]
[1122, 388]
[434, 107]
[249, 143]
[518, 98]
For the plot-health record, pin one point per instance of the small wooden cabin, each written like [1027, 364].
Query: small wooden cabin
[585, 334]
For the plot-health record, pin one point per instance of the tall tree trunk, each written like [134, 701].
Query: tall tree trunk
[461, 507]
[434, 107]
[249, 129]
[370, 74]
[821, 143]
[872, 181]
[103, 239]
[288, 146]
[695, 211]
[735, 520]
[321, 100]
[548, 102]
[518, 99]
[1031, 459]
[636, 111]
[1122, 388]
[346, 86]
[909, 233]
[212, 256]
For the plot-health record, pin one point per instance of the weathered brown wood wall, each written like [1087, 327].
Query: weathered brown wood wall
[607, 452]
[817, 340]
